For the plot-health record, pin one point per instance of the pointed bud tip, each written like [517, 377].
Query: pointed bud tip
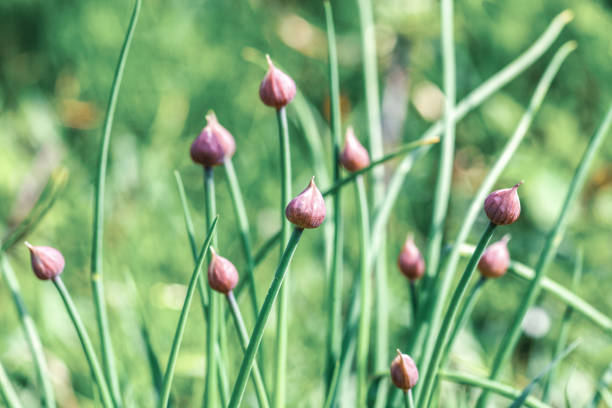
[47, 262]
[503, 206]
[222, 274]
[277, 89]
[495, 260]
[354, 156]
[307, 210]
[403, 370]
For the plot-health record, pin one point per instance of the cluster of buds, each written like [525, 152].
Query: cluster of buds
[410, 261]
[47, 263]
[307, 210]
[213, 145]
[404, 373]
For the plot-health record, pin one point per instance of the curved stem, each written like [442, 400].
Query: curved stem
[106, 345]
[283, 299]
[90, 354]
[7, 391]
[31, 334]
[243, 336]
[450, 318]
[262, 319]
[551, 245]
[363, 335]
[180, 328]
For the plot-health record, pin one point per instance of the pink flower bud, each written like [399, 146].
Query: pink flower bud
[503, 207]
[307, 210]
[354, 157]
[410, 260]
[404, 373]
[47, 262]
[207, 148]
[495, 260]
[223, 135]
[222, 274]
[277, 88]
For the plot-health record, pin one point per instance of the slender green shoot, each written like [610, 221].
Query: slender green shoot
[262, 319]
[450, 317]
[565, 326]
[106, 346]
[408, 400]
[243, 336]
[602, 387]
[180, 328]
[414, 300]
[490, 385]
[363, 335]
[520, 400]
[549, 251]
[334, 329]
[90, 354]
[7, 391]
[31, 334]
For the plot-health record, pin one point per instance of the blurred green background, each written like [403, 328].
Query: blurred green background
[57, 60]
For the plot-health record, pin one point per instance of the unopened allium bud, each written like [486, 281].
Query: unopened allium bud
[307, 210]
[222, 274]
[410, 260]
[404, 373]
[207, 149]
[495, 260]
[223, 135]
[277, 88]
[354, 156]
[503, 207]
[47, 262]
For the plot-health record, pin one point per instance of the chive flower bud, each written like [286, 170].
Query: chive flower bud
[495, 260]
[404, 373]
[503, 207]
[47, 262]
[410, 260]
[207, 149]
[307, 210]
[222, 274]
[354, 156]
[277, 88]
[225, 138]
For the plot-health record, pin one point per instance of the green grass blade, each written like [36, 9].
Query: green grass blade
[108, 360]
[334, 329]
[490, 385]
[549, 251]
[180, 329]
[262, 319]
[520, 400]
[31, 334]
[7, 391]
[602, 386]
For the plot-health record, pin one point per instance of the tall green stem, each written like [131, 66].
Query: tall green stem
[90, 354]
[31, 334]
[243, 336]
[180, 329]
[334, 329]
[424, 396]
[363, 335]
[106, 345]
[7, 391]
[262, 319]
[283, 299]
[549, 251]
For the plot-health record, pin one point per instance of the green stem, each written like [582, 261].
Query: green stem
[490, 385]
[564, 330]
[180, 328]
[31, 334]
[243, 226]
[262, 319]
[106, 345]
[414, 298]
[435, 303]
[450, 317]
[243, 336]
[7, 391]
[212, 324]
[602, 386]
[549, 251]
[334, 329]
[363, 335]
[90, 354]
[408, 400]
[283, 299]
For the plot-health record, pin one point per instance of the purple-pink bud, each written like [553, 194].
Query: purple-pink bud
[307, 210]
[225, 138]
[410, 260]
[207, 149]
[47, 262]
[503, 207]
[404, 373]
[495, 260]
[277, 88]
[222, 274]
[354, 156]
